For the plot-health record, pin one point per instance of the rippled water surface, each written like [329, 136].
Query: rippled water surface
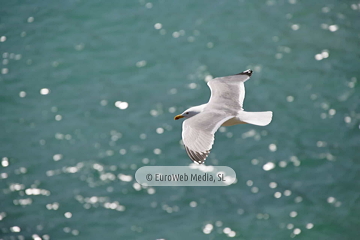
[89, 89]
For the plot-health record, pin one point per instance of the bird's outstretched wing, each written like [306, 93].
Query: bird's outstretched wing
[228, 93]
[198, 133]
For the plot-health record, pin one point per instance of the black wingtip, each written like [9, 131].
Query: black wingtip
[198, 157]
[246, 72]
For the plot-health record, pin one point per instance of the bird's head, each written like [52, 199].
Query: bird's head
[190, 112]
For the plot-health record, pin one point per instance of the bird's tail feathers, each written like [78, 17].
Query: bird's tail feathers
[256, 118]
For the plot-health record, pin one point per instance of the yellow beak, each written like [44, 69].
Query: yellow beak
[177, 117]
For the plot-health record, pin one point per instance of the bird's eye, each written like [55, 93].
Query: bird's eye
[187, 113]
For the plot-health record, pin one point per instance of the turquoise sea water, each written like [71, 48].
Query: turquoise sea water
[89, 89]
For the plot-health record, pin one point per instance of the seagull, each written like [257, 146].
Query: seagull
[225, 108]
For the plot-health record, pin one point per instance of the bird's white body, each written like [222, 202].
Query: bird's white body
[225, 108]
[255, 118]
[232, 121]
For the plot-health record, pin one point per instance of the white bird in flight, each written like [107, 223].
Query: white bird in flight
[225, 108]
